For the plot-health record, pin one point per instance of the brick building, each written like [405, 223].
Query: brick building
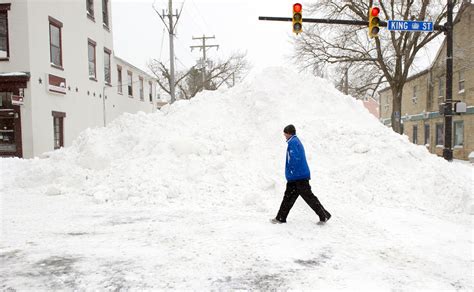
[424, 91]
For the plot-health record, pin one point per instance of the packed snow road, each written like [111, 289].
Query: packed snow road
[50, 243]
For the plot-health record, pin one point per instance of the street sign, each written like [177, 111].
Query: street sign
[405, 25]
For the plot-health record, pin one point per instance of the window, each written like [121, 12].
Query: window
[439, 134]
[386, 105]
[55, 42]
[458, 133]
[461, 81]
[150, 92]
[440, 88]
[130, 85]
[58, 129]
[4, 43]
[119, 79]
[427, 134]
[90, 8]
[415, 134]
[105, 12]
[107, 75]
[142, 97]
[58, 141]
[429, 98]
[91, 52]
[414, 99]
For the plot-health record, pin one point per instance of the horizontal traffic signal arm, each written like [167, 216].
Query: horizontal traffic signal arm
[337, 21]
[316, 20]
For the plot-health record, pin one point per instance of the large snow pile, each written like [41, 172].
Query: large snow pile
[227, 148]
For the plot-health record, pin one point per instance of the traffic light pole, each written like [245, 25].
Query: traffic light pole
[448, 112]
[447, 28]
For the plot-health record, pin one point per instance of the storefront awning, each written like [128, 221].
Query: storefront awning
[13, 80]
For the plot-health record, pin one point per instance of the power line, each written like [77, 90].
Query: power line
[184, 66]
[193, 19]
[200, 15]
[162, 42]
[182, 45]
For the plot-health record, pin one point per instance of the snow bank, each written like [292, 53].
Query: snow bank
[227, 148]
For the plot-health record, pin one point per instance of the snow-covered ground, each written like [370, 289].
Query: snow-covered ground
[465, 162]
[181, 199]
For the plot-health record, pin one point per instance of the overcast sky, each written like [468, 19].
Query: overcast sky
[139, 33]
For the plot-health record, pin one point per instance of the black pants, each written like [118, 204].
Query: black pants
[303, 189]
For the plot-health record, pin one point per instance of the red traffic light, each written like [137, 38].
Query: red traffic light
[375, 11]
[374, 22]
[297, 7]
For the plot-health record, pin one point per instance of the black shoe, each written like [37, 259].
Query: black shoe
[328, 216]
[276, 221]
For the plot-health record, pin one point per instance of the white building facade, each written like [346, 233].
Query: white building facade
[59, 74]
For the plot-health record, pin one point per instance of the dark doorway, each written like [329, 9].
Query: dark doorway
[10, 127]
[12, 88]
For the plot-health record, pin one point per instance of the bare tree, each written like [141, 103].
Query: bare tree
[349, 47]
[163, 76]
[190, 82]
[236, 66]
[364, 81]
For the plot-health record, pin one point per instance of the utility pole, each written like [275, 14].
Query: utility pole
[171, 35]
[448, 112]
[171, 29]
[204, 47]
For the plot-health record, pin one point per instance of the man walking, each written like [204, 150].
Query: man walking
[297, 175]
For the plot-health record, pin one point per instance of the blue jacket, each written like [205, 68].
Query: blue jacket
[296, 166]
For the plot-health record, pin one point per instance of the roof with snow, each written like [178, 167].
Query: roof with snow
[15, 74]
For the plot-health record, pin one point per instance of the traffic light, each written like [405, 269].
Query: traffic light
[297, 18]
[374, 22]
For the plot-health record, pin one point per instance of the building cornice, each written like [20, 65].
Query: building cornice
[120, 60]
